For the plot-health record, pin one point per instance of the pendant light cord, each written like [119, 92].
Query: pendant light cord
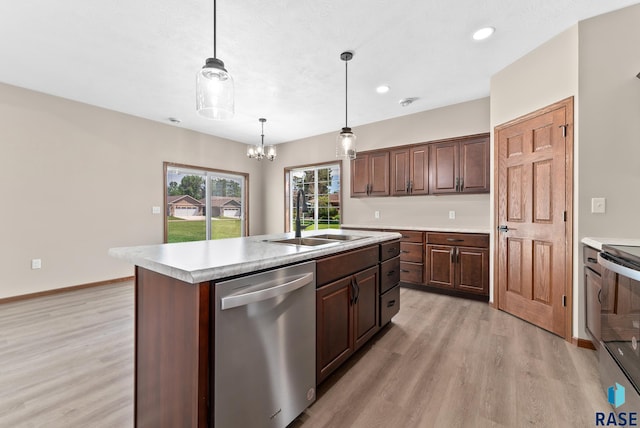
[214, 29]
[262, 135]
[346, 93]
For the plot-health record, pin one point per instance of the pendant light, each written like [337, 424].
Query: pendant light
[214, 86]
[261, 151]
[346, 141]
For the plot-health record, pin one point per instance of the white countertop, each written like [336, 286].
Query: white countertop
[422, 229]
[199, 261]
[597, 243]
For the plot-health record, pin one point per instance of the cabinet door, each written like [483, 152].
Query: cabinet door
[419, 173]
[400, 172]
[334, 324]
[365, 307]
[360, 176]
[440, 265]
[379, 174]
[593, 287]
[443, 167]
[474, 166]
[472, 266]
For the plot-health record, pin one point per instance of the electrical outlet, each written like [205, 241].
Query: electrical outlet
[452, 215]
[376, 214]
[155, 210]
[36, 263]
[598, 205]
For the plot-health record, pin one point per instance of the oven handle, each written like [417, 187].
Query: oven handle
[605, 262]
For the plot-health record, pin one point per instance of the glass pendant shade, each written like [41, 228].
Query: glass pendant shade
[214, 91]
[346, 144]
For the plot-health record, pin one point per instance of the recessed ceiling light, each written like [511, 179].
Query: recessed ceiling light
[483, 33]
[382, 89]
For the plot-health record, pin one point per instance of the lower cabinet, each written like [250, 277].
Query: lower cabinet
[458, 262]
[346, 318]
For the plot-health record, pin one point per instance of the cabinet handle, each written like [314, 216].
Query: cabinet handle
[353, 293]
[406, 187]
[592, 260]
[391, 272]
[457, 255]
[410, 186]
[457, 184]
[404, 251]
[391, 303]
[355, 282]
[453, 255]
[454, 240]
[391, 250]
[404, 271]
[461, 184]
[599, 295]
[404, 236]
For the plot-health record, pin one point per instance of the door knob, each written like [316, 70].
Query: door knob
[503, 228]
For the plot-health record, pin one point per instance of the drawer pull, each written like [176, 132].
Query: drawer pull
[391, 272]
[454, 240]
[592, 260]
[404, 251]
[404, 271]
[391, 303]
[404, 236]
[391, 250]
[600, 296]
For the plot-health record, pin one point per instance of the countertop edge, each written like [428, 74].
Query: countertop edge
[142, 256]
[420, 228]
[597, 243]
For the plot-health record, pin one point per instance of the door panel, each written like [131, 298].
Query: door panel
[379, 173]
[365, 308]
[533, 182]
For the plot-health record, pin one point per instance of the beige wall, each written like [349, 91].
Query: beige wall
[80, 179]
[472, 211]
[610, 124]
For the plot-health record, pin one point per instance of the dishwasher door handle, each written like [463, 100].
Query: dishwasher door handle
[235, 300]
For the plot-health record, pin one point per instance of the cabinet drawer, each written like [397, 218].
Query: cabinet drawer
[412, 272]
[459, 239]
[334, 267]
[590, 259]
[411, 236]
[389, 274]
[389, 250]
[410, 252]
[389, 305]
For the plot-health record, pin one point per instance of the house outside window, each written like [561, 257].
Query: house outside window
[321, 185]
[203, 203]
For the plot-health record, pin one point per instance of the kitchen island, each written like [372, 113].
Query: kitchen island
[175, 309]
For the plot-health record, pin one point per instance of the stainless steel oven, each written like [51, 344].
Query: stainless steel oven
[620, 322]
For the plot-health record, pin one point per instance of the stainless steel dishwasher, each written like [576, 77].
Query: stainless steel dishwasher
[265, 347]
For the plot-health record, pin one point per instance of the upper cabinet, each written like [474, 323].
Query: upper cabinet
[456, 165]
[459, 166]
[410, 171]
[370, 174]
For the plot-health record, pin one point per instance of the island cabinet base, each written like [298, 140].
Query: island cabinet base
[172, 350]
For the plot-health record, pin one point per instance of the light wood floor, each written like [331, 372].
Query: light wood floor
[67, 361]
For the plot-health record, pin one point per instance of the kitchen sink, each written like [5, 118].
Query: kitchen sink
[338, 237]
[309, 242]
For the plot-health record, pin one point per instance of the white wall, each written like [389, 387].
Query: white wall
[542, 77]
[472, 211]
[79, 179]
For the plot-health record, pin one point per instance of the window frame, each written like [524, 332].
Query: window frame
[287, 188]
[245, 208]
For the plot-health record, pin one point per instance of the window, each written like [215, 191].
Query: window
[191, 215]
[321, 185]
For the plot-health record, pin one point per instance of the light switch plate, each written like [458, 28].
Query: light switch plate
[598, 205]
[452, 215]
[155, 210]
[376, 214]
[36, 263]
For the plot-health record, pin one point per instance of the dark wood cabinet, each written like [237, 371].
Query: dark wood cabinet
[460, 165]
[412, 257]
[410, 171]
[370, 174]
[458, 262]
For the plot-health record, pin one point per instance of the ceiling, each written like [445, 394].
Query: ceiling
[140, 57]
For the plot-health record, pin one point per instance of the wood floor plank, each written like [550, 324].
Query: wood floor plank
[67, 361]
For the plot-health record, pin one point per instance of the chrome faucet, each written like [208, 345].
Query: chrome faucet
[304, 210]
